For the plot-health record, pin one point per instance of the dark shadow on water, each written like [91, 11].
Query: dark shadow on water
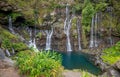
[74, 60]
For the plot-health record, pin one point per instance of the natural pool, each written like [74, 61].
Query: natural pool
[74, 60]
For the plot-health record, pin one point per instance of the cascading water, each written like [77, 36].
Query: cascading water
[66, 31]
[10, 25]
[110, 28]
[13, 51]
[7, 53]
[91, 33]
[32, 42]
[48, 39]
[21, 38]
[99, 19]
[79, 35]
[96, 21]
[67, 26]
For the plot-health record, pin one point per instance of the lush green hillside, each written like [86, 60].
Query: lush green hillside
[112, 55]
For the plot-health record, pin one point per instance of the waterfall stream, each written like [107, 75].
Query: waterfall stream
[95, 38]
[93, 33]
[13, 51]
[110, 28]
[10, 25]
[79, 34]
[32, 42]
[48, 39]
[7, 53]
[67, 26]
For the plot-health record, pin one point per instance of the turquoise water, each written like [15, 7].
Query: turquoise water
[74, 60]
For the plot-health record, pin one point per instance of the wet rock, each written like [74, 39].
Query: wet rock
[117, 65]
[111, 72]
[2, 54]
[7, 52]
[114, 72]
[6, 7]
[96, 58]
[9, 61]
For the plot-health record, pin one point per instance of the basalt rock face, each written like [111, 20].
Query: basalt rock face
[58, 37]
[5, 10]
[107, 69]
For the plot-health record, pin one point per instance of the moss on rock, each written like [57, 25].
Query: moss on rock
[10, 41]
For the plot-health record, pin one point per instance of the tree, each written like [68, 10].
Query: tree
[87, 13]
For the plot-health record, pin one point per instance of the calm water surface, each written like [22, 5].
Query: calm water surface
[73, 60]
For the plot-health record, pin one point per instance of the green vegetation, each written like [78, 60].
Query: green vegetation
[89, 10]
[7, 38]
[41, 64]
[6, 34]
[19, 46]
[15, 15]
[87, 13]
[48, 64]
[87, 74]
[29, 8]
[10, 41]
[6, 44]
[112, 55]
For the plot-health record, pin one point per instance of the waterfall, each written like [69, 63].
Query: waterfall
[21, 38]
[96, 21]
[91, 33]
[48, 39]
[110, 28]
[13, 51]
[67, 26]
[10, 25]
[79, 35]
[99, 19]
[32, 42]
[7, 53]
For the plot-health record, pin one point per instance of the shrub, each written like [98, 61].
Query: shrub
[6, 44]
[41, 64]
[10, 41]
[15, 15]
[4, 34]
[19, 46]
[111, 55]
